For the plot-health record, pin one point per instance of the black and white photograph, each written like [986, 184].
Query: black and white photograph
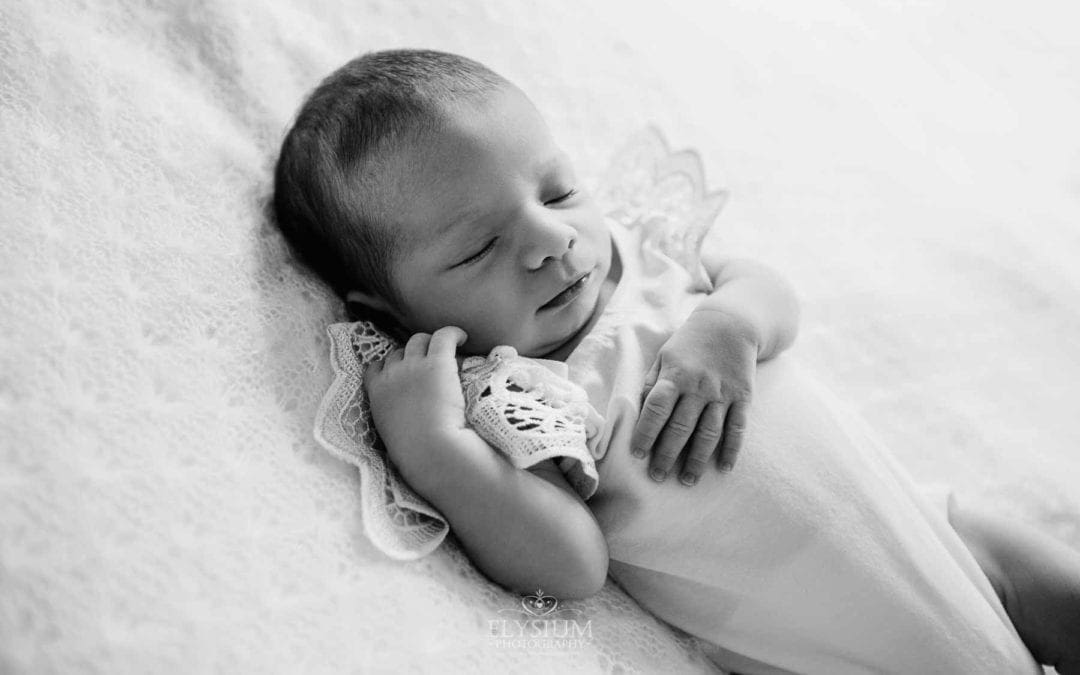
[555, 336]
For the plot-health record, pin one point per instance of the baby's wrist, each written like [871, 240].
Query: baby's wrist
[431, 459]
[735, 325]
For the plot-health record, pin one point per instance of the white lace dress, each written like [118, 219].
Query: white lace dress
[816, 555]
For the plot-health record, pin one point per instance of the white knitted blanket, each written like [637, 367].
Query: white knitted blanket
[163, 505]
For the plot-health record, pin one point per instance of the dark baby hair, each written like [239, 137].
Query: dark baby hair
[373, 105]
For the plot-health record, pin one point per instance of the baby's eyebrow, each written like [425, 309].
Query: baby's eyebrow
[469, 214]
[553, 163]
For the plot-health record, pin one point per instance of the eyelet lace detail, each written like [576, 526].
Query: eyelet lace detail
[661, 193]
[532, 414]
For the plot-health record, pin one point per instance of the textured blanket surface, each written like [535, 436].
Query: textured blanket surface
[163, 507]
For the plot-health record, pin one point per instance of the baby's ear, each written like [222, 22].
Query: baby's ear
[360, 306]
[369, 302]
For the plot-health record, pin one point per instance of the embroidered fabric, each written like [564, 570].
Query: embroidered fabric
[531, 412]
[662, 195]
[525, 408]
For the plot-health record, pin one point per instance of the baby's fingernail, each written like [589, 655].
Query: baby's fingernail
[726, 467]
[658, 474]
[688, 479]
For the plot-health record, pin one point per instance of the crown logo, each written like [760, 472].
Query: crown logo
[539, 604]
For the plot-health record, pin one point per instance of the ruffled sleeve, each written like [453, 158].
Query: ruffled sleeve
[396, 519]
[531, 412]
[660, 196]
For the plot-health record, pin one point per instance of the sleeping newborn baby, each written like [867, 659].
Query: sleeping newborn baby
[429, 193]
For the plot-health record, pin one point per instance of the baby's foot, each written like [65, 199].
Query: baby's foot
[1037, 579]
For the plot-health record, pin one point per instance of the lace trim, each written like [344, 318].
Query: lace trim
[396, 519]
[659, 198]
[663, 195]
[532, 414]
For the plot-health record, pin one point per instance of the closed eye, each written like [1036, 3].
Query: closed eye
[479, 255]
[562, 198]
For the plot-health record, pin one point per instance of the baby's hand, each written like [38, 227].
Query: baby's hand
[415, 396]
[696, 396]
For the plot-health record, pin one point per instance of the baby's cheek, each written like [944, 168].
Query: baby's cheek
[494, 333]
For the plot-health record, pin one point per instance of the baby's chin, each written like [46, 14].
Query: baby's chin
[533, 347]
[561, 347]
[541, 343]
[521, 344]
[523, 347]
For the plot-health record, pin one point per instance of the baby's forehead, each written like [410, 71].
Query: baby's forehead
[462, 167]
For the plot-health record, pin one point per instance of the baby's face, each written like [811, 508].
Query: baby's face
[500, 239]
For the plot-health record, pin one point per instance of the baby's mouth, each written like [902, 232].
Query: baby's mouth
[568, 294]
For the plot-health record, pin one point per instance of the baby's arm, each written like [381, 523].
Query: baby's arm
[699, 387]
[755, 298]
[523, 529]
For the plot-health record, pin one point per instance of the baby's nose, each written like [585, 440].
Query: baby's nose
[549, 242]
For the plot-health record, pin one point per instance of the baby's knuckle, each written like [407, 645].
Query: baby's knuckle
[696, 380]
[676, 372]
[712, 391]
[703, 386]
[669, 352]
[694, 464]
[740, 392]
[670, 377]
[665, 457]
[654, 408]
[678, 427]
[736, 428]
[708, 432]
[665, 388]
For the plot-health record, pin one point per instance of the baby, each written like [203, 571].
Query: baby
[428, 192]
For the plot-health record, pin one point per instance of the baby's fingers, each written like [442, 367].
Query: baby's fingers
[650, 379]
[372, 369]
[734, 433]
[703, 443]
[371, 375]
[417, 345]
[655, 412]
[393, 357]
[445, 341]
[674, 437]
